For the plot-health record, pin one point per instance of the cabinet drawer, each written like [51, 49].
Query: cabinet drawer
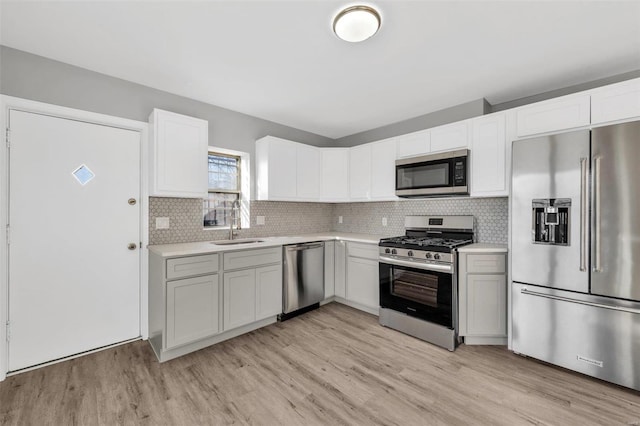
[366, 251]
[485, 263]
[251, 258]
[193, 265]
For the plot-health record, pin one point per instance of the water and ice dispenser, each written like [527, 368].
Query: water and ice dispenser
[550, 221]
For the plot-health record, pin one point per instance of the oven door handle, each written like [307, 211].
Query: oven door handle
[436, 267]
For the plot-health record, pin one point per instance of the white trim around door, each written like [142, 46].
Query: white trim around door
[8, 103]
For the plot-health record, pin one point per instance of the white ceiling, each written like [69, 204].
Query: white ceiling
[280, 61]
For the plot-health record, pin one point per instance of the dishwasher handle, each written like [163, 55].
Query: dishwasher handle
[304, 246]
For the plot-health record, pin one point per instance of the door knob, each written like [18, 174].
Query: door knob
[132, 201]
[132, 246]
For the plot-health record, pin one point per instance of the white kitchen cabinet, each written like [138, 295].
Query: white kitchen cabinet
[483, 298]
[276, 169]
[450, 136]
[192, 309]
[308, 170]
[363, 285]
[178, 155]
[383, 170]
[268, 291]
[564, 113]
[340, 269]
[335, 175]
[329, 269]
[360, 173]
[254, 292]
[616, 102]
[239, 289]
[413, 144]
[489, 156]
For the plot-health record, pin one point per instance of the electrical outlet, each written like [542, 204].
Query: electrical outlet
[384, 221]
[339, 219]
[259, 220]
[162, 223]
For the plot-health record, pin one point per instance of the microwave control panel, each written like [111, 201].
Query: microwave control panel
[460, 171]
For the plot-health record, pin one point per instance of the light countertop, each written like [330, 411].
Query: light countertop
[201, 247]
[483, 248]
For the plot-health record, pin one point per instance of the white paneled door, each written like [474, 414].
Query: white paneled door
[74, 258]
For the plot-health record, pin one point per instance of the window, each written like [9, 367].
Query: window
[224, 188]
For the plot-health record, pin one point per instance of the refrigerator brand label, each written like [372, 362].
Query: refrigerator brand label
[590, 361]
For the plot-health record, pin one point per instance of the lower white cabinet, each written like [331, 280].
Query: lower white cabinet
[329, 269]
[239, 298]
[483, 298]
[363, 284]
[253, 293]
[192, 309]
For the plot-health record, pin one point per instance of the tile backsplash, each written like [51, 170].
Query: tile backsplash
[284, 218]
[491, 214]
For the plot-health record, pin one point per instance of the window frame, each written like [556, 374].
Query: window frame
[238, 191]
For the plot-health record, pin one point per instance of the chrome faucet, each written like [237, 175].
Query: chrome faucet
[234, 220]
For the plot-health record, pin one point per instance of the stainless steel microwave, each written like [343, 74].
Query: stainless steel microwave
[433, 175]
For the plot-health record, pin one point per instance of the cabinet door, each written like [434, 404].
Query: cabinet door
[179, 148]
[329, 269]
[383, 170]
[340, 269]
[335, 175]
[486, 305]
[239, 290]
[268, 291]
[192, 309]
[308, 172]
[451, 136]
[616, 102]
[363, 285]
[567, 112]
[360, 173]
[276, 169]
[489, 156]
[413, 144]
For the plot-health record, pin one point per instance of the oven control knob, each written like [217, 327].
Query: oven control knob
[394, 251]
[387, 251]
[410, 253]
[428, 255]
[436, 256]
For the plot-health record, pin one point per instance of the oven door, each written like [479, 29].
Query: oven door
[424, 294]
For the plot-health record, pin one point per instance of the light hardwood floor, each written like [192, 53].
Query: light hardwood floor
[335, 365]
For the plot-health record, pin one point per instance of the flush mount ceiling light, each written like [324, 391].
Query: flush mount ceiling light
[356, 23]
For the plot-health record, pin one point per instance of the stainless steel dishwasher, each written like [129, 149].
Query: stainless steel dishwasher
[303, 278]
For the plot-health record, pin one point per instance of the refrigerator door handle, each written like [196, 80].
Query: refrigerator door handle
[581, 302]
[583, 213]
[597, 212]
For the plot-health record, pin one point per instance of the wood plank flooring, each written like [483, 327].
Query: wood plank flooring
[335, 365]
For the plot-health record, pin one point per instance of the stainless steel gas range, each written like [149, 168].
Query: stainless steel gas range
[418, 277]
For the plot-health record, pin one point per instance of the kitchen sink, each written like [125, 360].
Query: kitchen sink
[238, 241]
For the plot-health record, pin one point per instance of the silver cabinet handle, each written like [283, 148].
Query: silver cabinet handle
[584, 183]
[580, 302]
[597, 228]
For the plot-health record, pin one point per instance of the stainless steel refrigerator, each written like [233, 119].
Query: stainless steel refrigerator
[575, 205]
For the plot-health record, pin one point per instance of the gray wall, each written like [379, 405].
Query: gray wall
[37, 78]
[437, 118]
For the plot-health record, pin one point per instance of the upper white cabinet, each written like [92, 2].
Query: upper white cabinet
[308, 169]
[276, 169]
[616, 102]
[383, 170]
[335, 175]
[179, 147]
[489, 156]
[413, 144]
[450, 137]
[567, 112]
[360, 173]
